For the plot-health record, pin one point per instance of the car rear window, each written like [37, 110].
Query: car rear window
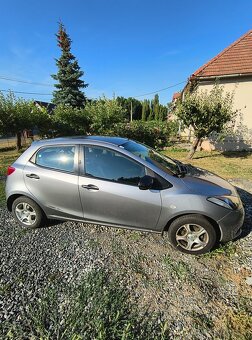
[56, 157]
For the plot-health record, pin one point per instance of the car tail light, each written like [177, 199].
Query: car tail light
[10, 170]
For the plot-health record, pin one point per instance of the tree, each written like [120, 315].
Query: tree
[69, 74]
[70, 121]
[145, 109]
[159, 110]
[163, 111]
[151, 114]
[136, 108]
[127, 104]
[103, 114]
[206, 112]
[153, 133]
[17, 114]
[156, 107]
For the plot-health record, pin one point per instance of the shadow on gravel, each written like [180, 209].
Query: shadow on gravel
[51, 223]
[48, 223]
[246, 198]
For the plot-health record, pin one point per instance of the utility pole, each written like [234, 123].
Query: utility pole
[131, 112]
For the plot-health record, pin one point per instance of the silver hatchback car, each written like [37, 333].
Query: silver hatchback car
[118, 182]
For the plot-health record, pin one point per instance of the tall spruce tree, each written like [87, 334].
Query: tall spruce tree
[69, 74]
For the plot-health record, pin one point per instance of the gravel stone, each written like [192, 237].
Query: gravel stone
[249, 280]
[32, 258]
[192, 293]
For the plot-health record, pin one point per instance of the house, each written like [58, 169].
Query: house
[176, 96]
[49, 106]
[232, 69]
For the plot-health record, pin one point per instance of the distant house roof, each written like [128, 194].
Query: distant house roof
[236, 59]
[48, 106]
[176, 95]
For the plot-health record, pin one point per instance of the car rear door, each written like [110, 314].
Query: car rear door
[109, 192]
[51, 176]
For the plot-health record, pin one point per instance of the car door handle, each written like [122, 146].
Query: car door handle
[90, 187]
[34, 176]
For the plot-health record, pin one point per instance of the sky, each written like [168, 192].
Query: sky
[125, 47]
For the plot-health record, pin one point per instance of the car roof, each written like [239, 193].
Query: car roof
[80, 139]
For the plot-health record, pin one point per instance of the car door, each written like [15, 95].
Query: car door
[109, 192]
[52, 178]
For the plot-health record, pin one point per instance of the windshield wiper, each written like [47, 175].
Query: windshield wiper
[182, 169]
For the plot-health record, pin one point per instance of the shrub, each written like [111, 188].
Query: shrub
[104, 114]
[156, 134]
[68, 120]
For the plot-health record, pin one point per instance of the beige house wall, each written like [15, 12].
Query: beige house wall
[242, 138]
[242, 96]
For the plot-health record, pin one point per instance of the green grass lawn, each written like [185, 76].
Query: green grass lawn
[225, 164]
[7, 157]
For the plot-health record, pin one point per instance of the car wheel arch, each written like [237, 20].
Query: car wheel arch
[213, 222]
[13, 197]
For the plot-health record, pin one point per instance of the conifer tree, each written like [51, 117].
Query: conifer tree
[69, 73]
[156, 107]
[145, 109]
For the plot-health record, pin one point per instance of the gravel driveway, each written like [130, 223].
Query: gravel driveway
[199, 297]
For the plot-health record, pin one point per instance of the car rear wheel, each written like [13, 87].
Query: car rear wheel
[192, 234]
[27, 213]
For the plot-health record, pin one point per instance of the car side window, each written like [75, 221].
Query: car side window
[56, 157]
[112, 166]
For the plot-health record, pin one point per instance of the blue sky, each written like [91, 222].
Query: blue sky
[126, 48]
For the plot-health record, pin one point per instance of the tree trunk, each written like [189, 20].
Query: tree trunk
[193, 148]
[19, 142]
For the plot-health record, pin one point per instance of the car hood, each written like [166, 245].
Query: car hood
[207, 183]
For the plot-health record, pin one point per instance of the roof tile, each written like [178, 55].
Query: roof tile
[235, 59]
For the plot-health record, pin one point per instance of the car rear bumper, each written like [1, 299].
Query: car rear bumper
[231, 224]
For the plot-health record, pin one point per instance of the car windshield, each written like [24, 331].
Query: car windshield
[151, 156]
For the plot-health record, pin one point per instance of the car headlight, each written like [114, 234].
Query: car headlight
[229, 202]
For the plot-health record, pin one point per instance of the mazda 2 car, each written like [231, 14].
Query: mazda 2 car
[118, 182]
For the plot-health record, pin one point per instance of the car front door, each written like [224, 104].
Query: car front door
[51, 177]
[109, 191]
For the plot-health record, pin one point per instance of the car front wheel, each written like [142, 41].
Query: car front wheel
[192, 234]
[27, 213]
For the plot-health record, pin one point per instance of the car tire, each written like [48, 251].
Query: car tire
[192, 234]
[27, 212]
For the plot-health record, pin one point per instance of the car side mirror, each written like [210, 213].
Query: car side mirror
[145, 183]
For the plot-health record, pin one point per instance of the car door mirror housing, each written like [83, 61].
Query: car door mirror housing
[146, 182]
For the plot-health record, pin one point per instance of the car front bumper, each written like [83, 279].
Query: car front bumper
[231, 224]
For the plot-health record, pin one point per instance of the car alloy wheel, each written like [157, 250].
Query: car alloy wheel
[28, 213]
[192, 237]
[192, 234]
[25, 213]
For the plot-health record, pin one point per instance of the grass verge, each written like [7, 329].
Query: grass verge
[225, 164]
[7, 157]
[99, 308]
[2, 193]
